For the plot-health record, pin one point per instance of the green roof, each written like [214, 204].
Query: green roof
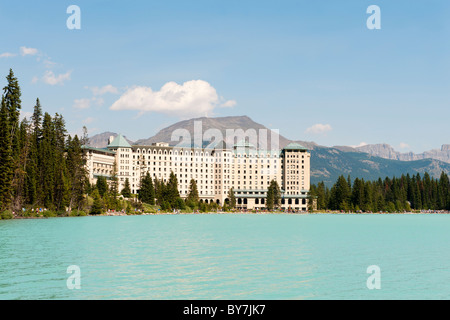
[294, 146]
[119, 142]
[244, 144]
[97, 149]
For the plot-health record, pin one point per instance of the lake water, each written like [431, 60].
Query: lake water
[225, 256]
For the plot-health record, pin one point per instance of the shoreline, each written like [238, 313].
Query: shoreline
[110, 214]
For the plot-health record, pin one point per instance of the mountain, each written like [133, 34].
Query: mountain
[387, 152]
[326, 163]
[222, 124]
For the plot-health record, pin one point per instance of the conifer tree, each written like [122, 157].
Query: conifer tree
[231, 198]
[11, 94]
[273, 195]
[193, 198]
[6, 158]
[102, 186]
[126, 191]
[147, 191]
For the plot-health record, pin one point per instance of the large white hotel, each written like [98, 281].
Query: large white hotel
[243, 167]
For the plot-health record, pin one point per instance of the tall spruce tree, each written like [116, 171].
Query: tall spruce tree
[147, 191]
[11, 93]
[6, 158]
[273, 195]
[231, 198]
[126, 191]
[193, 198]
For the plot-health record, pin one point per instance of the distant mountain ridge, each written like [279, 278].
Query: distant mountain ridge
[327, 163]
[388, 152]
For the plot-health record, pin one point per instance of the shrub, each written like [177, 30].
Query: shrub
[49, 214]
[7, 214]
[77, 213]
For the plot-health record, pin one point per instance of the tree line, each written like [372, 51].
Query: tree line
[409, 192]
[40, 164]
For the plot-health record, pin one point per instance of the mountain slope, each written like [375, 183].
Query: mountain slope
[328, 163]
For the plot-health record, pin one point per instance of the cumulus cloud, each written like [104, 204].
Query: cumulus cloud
[192, 98]
[82, 103]
[319, 129]
[7, 55]
[24, 51]
[52, 79]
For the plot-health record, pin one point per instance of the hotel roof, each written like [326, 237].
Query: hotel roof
[294, 146]
[119, 142]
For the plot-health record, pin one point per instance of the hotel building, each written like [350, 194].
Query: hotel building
[244, 168]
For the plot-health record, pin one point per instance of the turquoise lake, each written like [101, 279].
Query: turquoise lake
[225, 256]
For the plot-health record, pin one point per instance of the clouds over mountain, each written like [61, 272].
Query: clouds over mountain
[192, 98]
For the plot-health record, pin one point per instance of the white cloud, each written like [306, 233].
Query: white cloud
[404, 145]
[88, 120]
[228, 104]
[319, 129]
[24, 51]
[81, 103]
[98, 101]
[52, 79]
[99, 91]
[25, 114]
[362, 144]
[7, 55]
[49, 64]
[192, 98]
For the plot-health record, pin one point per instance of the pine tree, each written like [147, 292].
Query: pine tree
[102, 186]
[11, 93]
[232, 198]
[76, 172]
[172, 191]
[61, 186]
[273, 195]
[193, 198]
[147, 191]
[6, 159]
[97, 206]
[126, 191]
[19, 179]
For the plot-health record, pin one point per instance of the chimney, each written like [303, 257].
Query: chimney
[111, 138]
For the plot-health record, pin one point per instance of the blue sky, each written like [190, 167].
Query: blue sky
[311, 69]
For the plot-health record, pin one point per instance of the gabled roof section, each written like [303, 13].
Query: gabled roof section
[295, 146]
[119, 142]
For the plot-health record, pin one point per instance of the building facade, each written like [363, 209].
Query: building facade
[216, 170]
